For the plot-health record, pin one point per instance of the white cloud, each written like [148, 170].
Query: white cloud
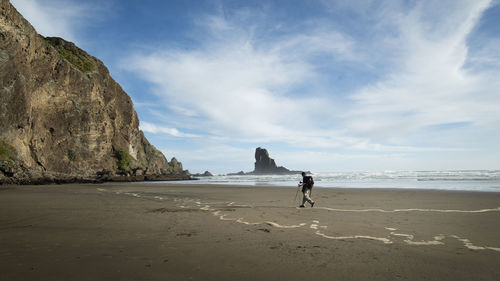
[155, 129]
[216, 158]
[243, 81]
[55, 17]
[431, 86]
[487, 55]
[236, 87]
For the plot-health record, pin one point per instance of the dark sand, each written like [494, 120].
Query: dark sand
[145, 231]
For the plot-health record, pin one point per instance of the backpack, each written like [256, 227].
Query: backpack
[308, 182]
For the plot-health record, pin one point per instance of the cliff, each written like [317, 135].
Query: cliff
[62, 116]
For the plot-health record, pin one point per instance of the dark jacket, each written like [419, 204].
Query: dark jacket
[308, 183]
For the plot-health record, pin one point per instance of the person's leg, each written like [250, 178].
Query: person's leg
[307, 197]
[304, 199]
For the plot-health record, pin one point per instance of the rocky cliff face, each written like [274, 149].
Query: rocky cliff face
[266, 165]
[62, 116]
[263, 163]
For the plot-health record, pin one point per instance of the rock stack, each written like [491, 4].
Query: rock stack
[265, 165]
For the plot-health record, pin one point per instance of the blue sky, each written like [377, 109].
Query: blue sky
[323, 85]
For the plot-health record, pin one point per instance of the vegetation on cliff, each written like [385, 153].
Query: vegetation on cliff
[7, 152]
[7, 158]
[125, 161]
[69, 51]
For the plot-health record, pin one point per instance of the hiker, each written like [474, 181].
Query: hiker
[307, 184]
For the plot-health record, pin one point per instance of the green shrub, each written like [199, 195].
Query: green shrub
[7, 151]
[71, 155]
[125, 161]
[72, 53]
[7, 155]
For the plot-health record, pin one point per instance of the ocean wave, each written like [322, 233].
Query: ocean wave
[470, 180]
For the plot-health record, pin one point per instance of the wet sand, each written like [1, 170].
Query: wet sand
[146, 231]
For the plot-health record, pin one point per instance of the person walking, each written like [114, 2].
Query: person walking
[307, 184]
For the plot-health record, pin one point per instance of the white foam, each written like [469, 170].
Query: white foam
[206, 208]
[469, 245]
[439, 237]
[226, 219]
[382, 239]
[222, 217]
[132, 194]
[284, 226]
[240, 220]
[432, 242]
[438, 241]
[410, 210]
[409, 236]
[101, 189]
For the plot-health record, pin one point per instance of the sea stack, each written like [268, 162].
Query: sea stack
[263, 163]
[63, 117]
[266, 165]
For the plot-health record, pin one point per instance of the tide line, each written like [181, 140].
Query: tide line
[408, 238]
[240, 220]
[382, 239]
[438, 241]
[410, 210]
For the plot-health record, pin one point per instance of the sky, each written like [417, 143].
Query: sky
[327, 85]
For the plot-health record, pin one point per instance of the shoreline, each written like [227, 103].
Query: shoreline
[144, 231]
[47, 180]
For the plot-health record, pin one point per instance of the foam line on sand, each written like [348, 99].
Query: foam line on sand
[408, 239]
[438, 240]
[382, 239]
[409, 210]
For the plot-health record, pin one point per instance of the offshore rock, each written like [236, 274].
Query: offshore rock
[63, 118]
[205, 174]
[265, 165]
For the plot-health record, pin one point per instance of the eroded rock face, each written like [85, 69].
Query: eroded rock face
[62, 116]
[263, 163]
[266, 165]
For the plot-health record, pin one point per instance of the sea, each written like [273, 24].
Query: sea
[467, 180]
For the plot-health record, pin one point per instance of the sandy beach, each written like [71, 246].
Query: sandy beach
[153, 231]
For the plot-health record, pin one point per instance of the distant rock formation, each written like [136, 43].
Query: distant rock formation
[63, 118]
[265, 165]
[205, 174]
